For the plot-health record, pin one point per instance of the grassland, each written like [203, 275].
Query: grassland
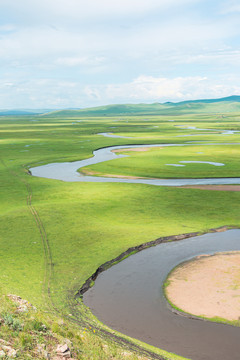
[54, 235]
[157, 162]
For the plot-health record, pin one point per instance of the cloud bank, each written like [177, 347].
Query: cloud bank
[63, 53]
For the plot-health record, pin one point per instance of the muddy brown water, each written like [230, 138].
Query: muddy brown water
[129, 298]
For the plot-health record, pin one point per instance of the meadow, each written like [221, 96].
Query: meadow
[171, 162]
[54, 235]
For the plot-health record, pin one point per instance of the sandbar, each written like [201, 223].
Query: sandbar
[207, 286]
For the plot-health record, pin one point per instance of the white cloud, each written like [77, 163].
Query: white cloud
[30, 43]
[148, 88]
[79, 52]
[88, 47]
[92, 93]
[7, 84]
[230, 6]
[50, 93]
[76, 61]
[7, 28]
[87, 44]
[83, 10]
[219, 57]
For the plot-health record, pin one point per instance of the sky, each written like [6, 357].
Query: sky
[58, 54]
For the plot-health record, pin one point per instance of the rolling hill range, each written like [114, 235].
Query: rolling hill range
[203, 106]
[208, 106]
[23, 112]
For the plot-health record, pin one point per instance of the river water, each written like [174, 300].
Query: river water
[128, 297]
[67, 171]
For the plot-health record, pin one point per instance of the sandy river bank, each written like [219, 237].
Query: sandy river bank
[207, 286]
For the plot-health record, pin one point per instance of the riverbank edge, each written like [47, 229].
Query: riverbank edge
[135, 249]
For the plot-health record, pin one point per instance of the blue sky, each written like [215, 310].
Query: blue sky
[75, 53]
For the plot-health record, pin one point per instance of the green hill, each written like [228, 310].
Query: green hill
[228, 104]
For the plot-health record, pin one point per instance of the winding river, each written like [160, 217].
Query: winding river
[67, 171]
[128, 297]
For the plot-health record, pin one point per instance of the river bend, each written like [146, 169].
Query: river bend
[128, 297]
[67, 171]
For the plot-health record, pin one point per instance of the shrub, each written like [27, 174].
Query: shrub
[11, 322]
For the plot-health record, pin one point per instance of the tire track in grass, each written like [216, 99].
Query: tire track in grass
[49, 273]
[75, 318]
[47, 251]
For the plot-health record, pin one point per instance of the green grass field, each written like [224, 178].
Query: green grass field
[54, 235]
[156, 162]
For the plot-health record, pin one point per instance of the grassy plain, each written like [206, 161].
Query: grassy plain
[54, 235]
[157, 162]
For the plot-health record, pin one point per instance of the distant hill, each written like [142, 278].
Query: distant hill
[118, 109]
[16, 112]
[203, 106]
[233, 98]
[208, 106]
